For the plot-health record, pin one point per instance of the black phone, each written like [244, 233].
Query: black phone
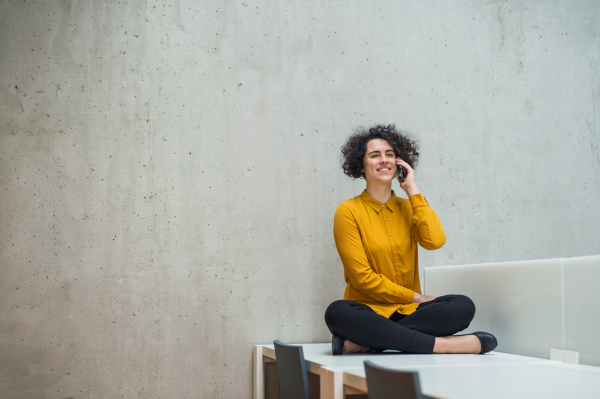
[400, 173]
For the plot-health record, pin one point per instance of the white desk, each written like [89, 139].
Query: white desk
[494, 375]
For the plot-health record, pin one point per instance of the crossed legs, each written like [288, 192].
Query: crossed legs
[429, 329]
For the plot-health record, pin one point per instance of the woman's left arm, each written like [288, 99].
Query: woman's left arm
[427, 229]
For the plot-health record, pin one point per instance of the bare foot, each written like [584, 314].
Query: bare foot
[457, 344]
[351, 347]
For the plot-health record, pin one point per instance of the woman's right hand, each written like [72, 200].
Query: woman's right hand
[419, 298]
[408, 185]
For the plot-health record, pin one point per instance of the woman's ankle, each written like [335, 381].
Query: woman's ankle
[457, 344]
[351, 347]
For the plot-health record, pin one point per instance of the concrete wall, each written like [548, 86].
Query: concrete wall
[169, 170]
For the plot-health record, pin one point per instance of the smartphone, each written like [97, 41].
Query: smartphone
[400, 173]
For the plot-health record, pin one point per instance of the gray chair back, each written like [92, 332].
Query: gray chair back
[291, 368]
[384, 383]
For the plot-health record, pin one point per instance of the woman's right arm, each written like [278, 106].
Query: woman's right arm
[356, 264]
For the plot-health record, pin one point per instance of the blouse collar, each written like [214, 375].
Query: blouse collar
[376, 205]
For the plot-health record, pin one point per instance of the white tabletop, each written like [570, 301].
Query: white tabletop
[521, 380]
[493, 375]
[320, 354]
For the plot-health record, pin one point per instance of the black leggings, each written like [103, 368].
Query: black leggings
[446, 315]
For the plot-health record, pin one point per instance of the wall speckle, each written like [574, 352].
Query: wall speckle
[169, 170]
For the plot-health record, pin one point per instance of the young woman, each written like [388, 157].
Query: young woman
[376, 235]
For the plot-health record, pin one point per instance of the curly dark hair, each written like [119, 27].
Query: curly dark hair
[353, 151]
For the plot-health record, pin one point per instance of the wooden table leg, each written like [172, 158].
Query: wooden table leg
[332, 383]
[354, 393]
[260, 391]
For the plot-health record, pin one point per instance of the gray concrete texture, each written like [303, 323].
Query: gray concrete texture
[169, 170]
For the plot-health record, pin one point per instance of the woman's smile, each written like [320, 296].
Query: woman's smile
[379, 161]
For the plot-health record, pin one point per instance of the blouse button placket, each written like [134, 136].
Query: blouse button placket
[388, 228]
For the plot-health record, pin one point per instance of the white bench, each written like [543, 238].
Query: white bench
[534, 308]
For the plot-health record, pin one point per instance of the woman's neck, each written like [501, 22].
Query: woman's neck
[380, 192]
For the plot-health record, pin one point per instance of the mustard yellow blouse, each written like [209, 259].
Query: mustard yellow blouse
[378, 248]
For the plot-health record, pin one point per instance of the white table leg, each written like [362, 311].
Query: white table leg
[258, 373]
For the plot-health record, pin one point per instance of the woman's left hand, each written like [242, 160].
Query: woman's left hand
[420, 298]
[408, 185]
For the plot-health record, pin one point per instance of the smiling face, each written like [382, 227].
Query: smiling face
[379, 163]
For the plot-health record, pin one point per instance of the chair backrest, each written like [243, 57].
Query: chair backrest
[384, 383]
[291, 368]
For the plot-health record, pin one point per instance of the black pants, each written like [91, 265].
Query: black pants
[415, 333]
